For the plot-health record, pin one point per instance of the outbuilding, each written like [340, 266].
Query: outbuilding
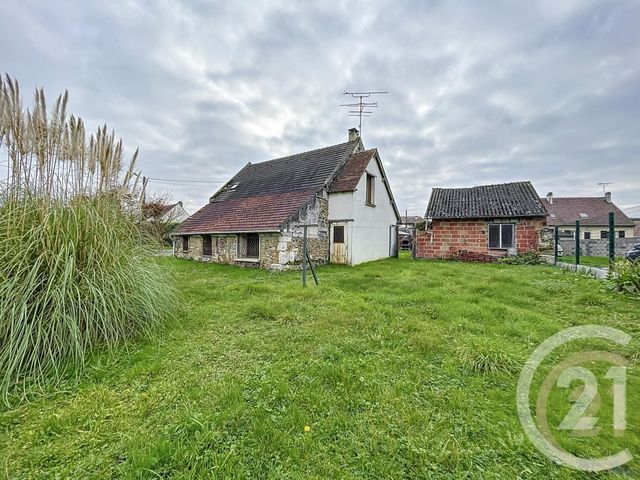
[492, 220]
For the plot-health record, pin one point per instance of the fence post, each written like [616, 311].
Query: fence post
[612, 239]
[304, 257]
[556, 238]
[577, 242]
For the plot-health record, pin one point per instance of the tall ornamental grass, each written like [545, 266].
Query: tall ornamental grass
[75, 272]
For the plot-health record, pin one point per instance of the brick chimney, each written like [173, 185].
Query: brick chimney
[607, 197]
[354, 134]
[550, 198]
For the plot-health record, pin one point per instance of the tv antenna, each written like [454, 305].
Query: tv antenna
[360, 109]
[604, 186]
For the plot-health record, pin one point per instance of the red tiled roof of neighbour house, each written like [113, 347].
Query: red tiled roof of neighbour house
[263, 196]
[258, 213]
[594, 210]
[351, 172]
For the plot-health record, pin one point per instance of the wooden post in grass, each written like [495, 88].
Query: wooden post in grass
[556, 239]
[577, 242]
[304, 257]
[612, 239]
[313, 269]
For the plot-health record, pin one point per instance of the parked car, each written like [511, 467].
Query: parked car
[633, 254]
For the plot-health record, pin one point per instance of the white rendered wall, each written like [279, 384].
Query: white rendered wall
[368, 234]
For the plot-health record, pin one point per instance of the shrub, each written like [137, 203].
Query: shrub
[74, 267]
[527, 258]
[625, 277]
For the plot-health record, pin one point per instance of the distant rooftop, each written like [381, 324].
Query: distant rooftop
[589, 210]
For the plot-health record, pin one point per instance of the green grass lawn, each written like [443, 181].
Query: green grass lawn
[589, 261]
[393, 369]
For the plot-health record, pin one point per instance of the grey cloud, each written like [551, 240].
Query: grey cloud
[540, 90]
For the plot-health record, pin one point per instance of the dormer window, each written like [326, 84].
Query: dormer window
[371, 190]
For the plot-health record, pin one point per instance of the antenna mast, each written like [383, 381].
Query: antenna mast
[361, 107]
[604, 186]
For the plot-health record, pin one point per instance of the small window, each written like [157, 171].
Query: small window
[338, 234]
[501, 235]
[584, 215]
[604, 233]
[249, 245]
[185, 243]
[206, 245]
[587, 235]
[621, 234]
[371, 189]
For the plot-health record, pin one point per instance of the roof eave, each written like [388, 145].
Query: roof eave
[222, 232]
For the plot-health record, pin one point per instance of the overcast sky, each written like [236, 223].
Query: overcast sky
[479, 92]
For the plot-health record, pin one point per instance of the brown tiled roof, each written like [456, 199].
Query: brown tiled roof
[258, 213]
[566, 210]
[505, 200]
[263, 196]
[351, 172]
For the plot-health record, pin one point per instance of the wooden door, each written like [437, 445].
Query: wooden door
[338, 244]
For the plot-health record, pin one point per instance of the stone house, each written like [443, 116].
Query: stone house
[494, 220]
[593, 213]
[341, 193]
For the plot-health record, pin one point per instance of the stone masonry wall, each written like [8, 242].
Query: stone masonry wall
[278, 251]
[289, 247]
[223, 248]
[446, 239]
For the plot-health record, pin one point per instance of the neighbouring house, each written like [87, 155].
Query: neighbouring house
[593, 213]
[162, 219]
[494, 220]
[406, 229]
[165, 213]
[634, 214]
[410, 221]
[341, 193]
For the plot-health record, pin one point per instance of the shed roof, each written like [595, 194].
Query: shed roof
[505, 200]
